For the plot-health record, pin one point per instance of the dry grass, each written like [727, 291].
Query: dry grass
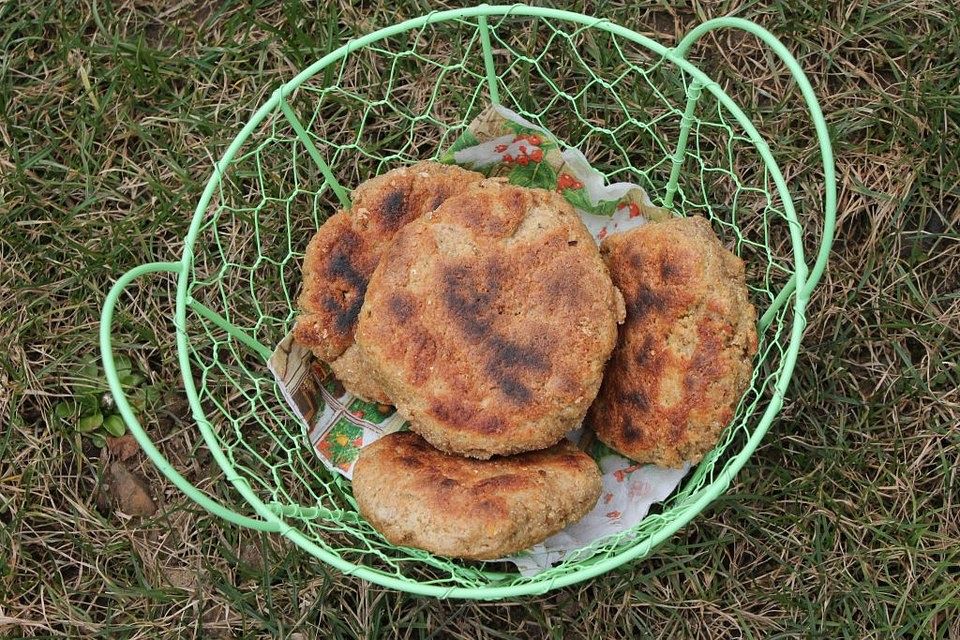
[844, 524]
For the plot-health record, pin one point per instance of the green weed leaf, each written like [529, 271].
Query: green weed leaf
[66, 410]
[114, 425]
[90, 423]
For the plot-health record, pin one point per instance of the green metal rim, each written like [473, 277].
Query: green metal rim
[804, 280]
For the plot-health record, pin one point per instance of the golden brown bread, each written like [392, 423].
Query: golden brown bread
[354, 373]
[488, 322]
[683, 358]
[420, 497]
[344, 252]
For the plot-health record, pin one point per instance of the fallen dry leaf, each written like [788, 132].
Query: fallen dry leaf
[123, 447]
[186, 579]
[130, 493]
[251, 558]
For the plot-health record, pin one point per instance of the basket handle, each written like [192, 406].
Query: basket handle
[106, 351]
[823, 138]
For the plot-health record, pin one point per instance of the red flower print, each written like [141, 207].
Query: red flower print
[601, 236]
[566, 181]
[537, 155]
[633, 206]
[607, 498]
[638, 489]
[613, 515]
[531, 138]
[620, 474]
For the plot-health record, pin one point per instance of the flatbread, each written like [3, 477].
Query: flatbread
[420, 497]
[489, 321]
[684, 354]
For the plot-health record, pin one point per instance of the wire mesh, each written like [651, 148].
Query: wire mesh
[407, 98]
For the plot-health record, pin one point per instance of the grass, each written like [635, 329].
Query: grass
[843, 524]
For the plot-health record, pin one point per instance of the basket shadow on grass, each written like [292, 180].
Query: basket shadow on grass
[379, 108]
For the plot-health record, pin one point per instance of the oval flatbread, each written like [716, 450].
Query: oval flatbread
[417, 496]
[684, 354]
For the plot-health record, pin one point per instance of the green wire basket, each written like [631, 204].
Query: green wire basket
[640, 111]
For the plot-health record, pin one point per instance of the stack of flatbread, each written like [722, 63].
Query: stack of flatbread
[487, 314]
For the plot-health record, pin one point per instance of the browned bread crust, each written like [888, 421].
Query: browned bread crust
[488, 322]
[683, 358]
[420, 497]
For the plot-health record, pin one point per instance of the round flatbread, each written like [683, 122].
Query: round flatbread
[346, 249]
[488, 322]
[684, 354]
[420, 497]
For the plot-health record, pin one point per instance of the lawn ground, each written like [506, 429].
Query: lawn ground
[845, 522]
